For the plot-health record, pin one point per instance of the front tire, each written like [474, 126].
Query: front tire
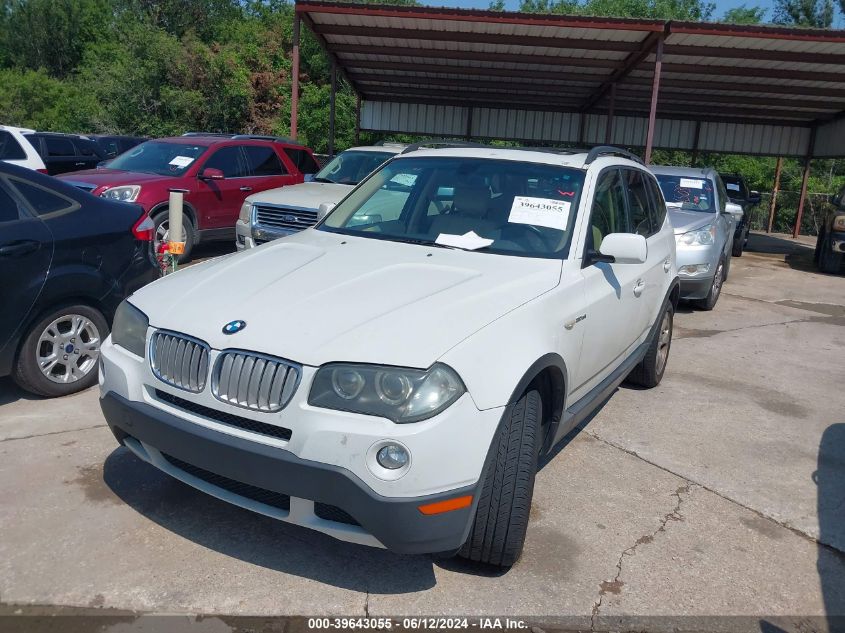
[501, 517]
[709, 302]
[60, 352]
[829, 261]
[650, 371]
[738, 247]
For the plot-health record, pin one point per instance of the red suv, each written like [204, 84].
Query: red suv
[215, 171]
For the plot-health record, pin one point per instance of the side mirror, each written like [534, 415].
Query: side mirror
[625, 248]
[734, 210]
[754, 197]
[324, 208]
[210, 173]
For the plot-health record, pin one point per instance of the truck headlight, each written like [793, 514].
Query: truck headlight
[124, 193]
[704, 236]
[130, 328]
[838, 223]
[396, 393]
[246, 212]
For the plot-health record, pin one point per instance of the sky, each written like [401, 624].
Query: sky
[721, 5]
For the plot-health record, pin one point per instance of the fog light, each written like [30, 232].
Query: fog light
[392, 457]
[694, 269]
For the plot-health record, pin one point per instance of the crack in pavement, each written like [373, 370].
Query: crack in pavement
[615, 586]
[782, 524]
[29, 437]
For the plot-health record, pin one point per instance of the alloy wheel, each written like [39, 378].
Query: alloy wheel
[68, 348]
[664, 340]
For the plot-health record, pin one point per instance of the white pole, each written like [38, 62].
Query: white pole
[175, 222]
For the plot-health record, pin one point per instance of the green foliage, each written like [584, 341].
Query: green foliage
[656, 9]
[813, 13]
[31, 98]
[744, 15]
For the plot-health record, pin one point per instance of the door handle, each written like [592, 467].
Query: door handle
[667, 265]
[80, 165]
[638, 289]
[246, 188]
[18, 248]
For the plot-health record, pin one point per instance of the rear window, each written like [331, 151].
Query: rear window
[303, 160]
[41, 200]
[10, 149]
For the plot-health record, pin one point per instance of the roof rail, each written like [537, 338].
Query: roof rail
[220, 134]
[440, 142]
[610, 150]
[264, 137]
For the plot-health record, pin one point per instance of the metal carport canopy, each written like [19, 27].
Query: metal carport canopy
[583, 80]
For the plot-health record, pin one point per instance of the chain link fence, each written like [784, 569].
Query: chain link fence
[815, 208]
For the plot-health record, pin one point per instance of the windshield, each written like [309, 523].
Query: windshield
[489, 205]
[156, 157]
[689, 194]
[351, 167]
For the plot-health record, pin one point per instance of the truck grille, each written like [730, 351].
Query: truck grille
[179, 360]
[254, 381]
[287, 219]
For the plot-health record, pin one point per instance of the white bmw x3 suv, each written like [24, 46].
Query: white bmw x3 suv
[392, 378]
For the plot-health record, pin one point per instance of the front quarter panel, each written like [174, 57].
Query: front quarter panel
[493, 360]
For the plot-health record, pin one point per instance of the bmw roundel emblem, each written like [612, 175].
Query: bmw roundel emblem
[233, 327]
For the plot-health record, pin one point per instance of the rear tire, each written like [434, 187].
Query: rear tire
[501, 517]
[738, 247]
[60, 353]
[650, 371]
[709, 302]
[829, 262]
[161, 233]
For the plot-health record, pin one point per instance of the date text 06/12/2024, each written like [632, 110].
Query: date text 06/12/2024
[421, 623]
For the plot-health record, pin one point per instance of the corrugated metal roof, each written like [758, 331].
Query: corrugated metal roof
[456, 64]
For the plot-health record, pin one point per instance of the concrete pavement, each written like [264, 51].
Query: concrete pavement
[720, 493]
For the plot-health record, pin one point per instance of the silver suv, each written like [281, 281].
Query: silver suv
[279, 212]
[704, 220]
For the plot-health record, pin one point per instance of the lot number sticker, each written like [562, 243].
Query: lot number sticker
[547, 212]
[732, 186]
[692, 183]
[181, 161]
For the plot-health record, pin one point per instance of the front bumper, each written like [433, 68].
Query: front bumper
[180, 447]
[697, 285]
[695, 288]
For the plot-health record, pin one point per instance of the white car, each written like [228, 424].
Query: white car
[15, 148]
[394, 382]
[275, 213]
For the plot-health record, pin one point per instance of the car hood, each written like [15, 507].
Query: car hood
[684, 221]
[307, 195]
[110, 177]
[316, 297]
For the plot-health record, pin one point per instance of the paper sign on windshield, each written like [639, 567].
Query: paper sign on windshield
[732, 186]
[181, 161]
[547, 212]
[692, 183]
[470, 241]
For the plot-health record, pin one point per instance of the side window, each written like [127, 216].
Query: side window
[262, 161]
[9, 211]
[608, 213]
[303, 160]
[639, 202]
[43, 201]
[229, 161]
[57, 146]
[85, 147]
[10, 149]
[658, 204]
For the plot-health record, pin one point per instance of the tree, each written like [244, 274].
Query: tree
[745, 15]
[656, 9]
[813, 13]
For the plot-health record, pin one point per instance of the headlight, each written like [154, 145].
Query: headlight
[124, 193]
[130, 328]
[246, 212]
[703, 236]
[399, 394]
[838, 223]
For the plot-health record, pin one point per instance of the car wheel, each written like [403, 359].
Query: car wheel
[739, 245]
[60, 352]
[501, 517]
[709, 302]
[162, 232]
[650, 371]
[829, 261]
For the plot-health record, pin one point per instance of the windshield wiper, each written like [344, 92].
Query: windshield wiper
[326, 180]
